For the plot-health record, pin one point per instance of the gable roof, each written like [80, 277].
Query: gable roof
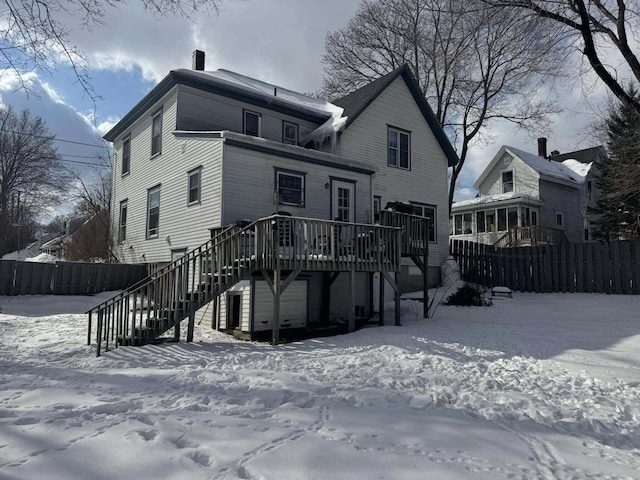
[356, 102]
[586, 155]
[567, 171]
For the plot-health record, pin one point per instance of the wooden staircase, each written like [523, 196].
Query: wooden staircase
[277, 248]
[147, 310]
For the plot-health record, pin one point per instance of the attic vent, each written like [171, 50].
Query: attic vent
[507, 160]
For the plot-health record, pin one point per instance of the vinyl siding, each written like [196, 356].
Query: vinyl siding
[169, 170]
[525, 178]
[426, 182]
[205, 111]
[249, 184]
[293, 306]
[564, 199]
[341, 294]
[242, 288]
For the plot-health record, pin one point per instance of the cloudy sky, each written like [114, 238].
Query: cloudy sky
[278, 41]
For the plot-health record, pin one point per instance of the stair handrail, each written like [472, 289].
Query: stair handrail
[162, 270]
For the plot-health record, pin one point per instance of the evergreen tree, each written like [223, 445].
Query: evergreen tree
[618, 178]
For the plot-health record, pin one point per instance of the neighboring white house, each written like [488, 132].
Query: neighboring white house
[204, 149]
[525, 198]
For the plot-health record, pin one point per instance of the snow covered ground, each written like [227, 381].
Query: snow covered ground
[538, 386]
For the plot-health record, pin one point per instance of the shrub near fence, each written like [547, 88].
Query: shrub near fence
[66, 278]
[580, 267]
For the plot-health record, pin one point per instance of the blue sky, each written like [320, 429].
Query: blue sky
[278, 41]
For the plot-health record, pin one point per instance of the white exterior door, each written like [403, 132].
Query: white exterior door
[342, 201]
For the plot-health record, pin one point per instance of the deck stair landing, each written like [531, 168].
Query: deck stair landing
[269, 247]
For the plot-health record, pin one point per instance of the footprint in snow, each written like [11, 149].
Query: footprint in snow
[27, 421]
[200, 458]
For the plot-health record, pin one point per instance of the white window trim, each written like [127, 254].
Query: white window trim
[244, 122]
[122, 226]
[285, 123]
[291, 173]
[126, 140]
[434, 223]
[158, 113]
[196, 171]
[149, 193]
[399, 131]
[513, 180]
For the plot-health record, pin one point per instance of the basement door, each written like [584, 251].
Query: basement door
[343, 201]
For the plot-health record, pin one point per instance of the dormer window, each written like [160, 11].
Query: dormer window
[251, 123]
[507, 182]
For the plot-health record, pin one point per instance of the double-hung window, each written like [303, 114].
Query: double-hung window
[126, 155]
[251, 123]
[156, 133]
[507, 181]
[290, 187]
[427, 211]
[399, 148]
[153, 211]
[194, 186]
[289, 133]
[122, 222]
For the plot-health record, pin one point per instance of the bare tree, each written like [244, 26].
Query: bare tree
[475, 64]
[31, 174]
[91, 195]
[35, 38]
[606, 27]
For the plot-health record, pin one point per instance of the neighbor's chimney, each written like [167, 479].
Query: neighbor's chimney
[197, 60]
[542, 147]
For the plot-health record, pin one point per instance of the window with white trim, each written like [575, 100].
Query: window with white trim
[507, 181]
[251, 123]
[290, 187]
[289, 133]
[153, 211]
[126, 155]
[122, 221]
[428, 211]
[399, 148]
[156, 133]
[194, 186]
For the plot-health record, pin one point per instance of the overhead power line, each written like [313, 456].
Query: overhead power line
[55, 139]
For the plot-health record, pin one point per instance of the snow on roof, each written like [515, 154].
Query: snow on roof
[268, 90]
[569, 170]
[489, 199]
[329, 129]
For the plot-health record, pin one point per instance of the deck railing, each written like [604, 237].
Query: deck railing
[148, 309]
[531, 236]
[415, 230]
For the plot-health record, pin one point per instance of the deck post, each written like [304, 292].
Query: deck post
[425, 270]
[176, 332]
[191, 325]
[89, 330]
[352, 300]
[215, 318]
[398, 316]
[381, 301]
[276, 304]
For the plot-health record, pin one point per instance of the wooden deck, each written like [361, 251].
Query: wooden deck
[279, 248]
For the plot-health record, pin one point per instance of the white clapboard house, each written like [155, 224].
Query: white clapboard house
[260, 206]
[527, 199]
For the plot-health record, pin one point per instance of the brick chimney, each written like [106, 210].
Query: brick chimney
[542, 147]
[197, 60]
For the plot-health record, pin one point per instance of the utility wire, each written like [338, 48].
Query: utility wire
[56, 139]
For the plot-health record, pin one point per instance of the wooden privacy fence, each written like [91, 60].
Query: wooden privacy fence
[66, 278]
[572, 267]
